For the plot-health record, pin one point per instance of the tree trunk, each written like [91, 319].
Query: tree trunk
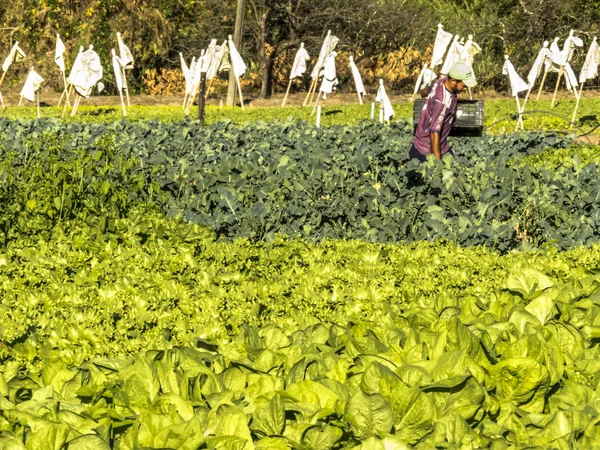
[266, 89]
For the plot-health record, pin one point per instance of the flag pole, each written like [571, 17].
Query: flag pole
[122, 103]
[419, 79]
[69, 92]
[210, 82]
[560, 74]
[287, 92]
[542, 84]
[125, 86]
[240, 91]
[314, 91]
[577, 105]
[520, 120]
[308, 93]
[65, 108]
[316, 103]
[1, 81]
[75, 105]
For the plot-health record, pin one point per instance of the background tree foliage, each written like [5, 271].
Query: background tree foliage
[389, 38]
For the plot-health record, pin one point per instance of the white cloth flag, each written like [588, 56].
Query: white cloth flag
[569, 47]
[237, 63]
[328, 46]
[59, 57]
[16, 54]
[186, 73]
[192, 73]
[329, 75]
[589, 70]
[116, 62]
[225, 64]
[571, 78]
[86, 73]
[300, 60]
[360, 88]
[453, 56]
[555, 55]
[209, 56]
[75, 65]
[470, 49]
[125, 55]
[543, 59]
[382, 97]
[217, 61]
[516, 82]
[560, 59]
[196, 71]
[426, 77]
[32, 84]
[442, 40]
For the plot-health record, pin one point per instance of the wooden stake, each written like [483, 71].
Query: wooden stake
[577, 105]
[60, 99]
[69, 95]
[319, 116]
[1, 81]
[202, 98]
[37, 94]
[542, 85]
[560, 73]
[65, 89]
[122, 102]
[312, 85]
[359, 98]
[520, 120]
[65, 84]
[287, 92]
[75, 105]
[372, 111]
[20, 100]
[125, 86]
[315, 91]
[316, 104]
[470, 93]
[240, 91]
[210, 82]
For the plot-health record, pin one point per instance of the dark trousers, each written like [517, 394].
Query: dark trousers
[413, 153]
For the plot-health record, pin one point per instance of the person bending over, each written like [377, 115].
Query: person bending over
[439, 112]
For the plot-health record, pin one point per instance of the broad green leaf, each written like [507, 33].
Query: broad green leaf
[88, 442]
[141, 383]
[541, 307]
[527, 281]
[369, 415]
[321, 437]
[46, 435]
[522, 380]
[387, 443]
[269, 417]
[231, 421]
[413, 413]
[273, 443]
[8, 442]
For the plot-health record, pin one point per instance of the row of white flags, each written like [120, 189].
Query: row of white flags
[457, 51]
[85, 73]
[555, 59]
[213, 60]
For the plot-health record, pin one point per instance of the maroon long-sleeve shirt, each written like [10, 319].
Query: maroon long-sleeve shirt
[438, 115]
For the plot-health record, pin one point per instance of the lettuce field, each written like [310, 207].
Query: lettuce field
[270, 285]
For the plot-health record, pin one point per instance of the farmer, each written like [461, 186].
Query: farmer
[439, 112]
